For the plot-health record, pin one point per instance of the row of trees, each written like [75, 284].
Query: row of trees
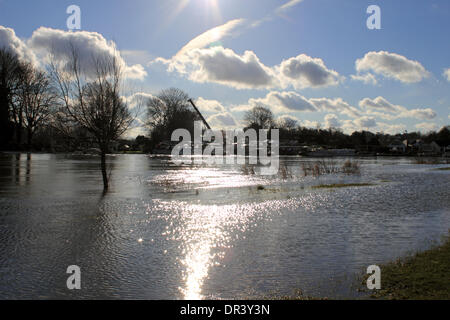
[170, 110]
[26, 99]
[69, 98]
[261, 117]
[77, 102]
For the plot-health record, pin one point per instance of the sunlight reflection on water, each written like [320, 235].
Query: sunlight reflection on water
[206, 232]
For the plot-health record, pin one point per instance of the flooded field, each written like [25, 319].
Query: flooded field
[165, 232]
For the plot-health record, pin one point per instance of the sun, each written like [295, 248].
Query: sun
[210, 8]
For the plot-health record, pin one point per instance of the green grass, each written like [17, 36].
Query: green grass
[342, 185]
[424, 276]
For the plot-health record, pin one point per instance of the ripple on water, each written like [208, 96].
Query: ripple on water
[163, 233]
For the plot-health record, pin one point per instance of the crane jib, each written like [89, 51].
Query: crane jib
[199, 113]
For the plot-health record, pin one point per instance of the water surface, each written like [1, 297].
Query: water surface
[164, 232]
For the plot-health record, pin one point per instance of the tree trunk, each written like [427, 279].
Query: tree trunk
[104, 173]
[30, 139]
[19, 125]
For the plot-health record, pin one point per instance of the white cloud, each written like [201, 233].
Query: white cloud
[446, 74]
[136, 131]
[382, 108]
[367, 78]
[426, 126]
[89, 46]
[305, 72]
[224, 66]
[363, 123]
[332, 121]
[335, 105]
[210, 106]
[279, 10]
[136, 56]
[286, 117]
[288, 5]
[290, 101]
[241, 108]
[392, 65]
[390, 128]
[310, 124]
[137, 103]
[210, 36]
[9, 41]
[379, 103]
[224, 120]
[245, 71]
[427, 113]
[366, 122]
[280, 102]
[138, 99]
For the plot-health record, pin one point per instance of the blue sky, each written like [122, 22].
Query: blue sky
[297, 57]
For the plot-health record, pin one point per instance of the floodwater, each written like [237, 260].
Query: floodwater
[165, 232]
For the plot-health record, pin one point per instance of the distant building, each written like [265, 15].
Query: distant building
[429, 148]
[397, 146]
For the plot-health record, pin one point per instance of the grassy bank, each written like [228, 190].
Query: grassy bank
[424, 276]
[443, 169]
[342, 185]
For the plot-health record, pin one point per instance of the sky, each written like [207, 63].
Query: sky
[313, 61]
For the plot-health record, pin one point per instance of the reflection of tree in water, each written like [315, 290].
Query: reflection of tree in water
[17, 174]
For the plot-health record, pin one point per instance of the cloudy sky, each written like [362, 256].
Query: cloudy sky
[314, 61]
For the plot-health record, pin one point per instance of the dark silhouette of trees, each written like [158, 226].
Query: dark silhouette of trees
[168, 111]
[35, 99]
[9, 68]
[259, 118]
[287, 124]
[443, 137]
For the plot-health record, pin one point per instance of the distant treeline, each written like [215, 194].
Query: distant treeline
[54, 112]
[170, 110]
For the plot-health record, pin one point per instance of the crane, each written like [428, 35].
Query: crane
[201, 116]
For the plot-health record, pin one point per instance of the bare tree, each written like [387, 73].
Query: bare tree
[34, 100]
[287, 124]
[9, 66]
[168, 111]
[259, 118]
[91, 99]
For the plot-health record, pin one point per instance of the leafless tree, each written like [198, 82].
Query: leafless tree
[259, 118]
[168, 111]
[34, 100]
[166, 105]
[9, 66]
[287, 124]
[92, 100]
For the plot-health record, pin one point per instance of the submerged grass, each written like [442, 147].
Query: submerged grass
[442, 169]
[435, 160]
[298, 295]
[330, 166]
[342, 185]
[424, 276]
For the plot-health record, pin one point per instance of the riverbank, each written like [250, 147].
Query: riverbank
[424, 276]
